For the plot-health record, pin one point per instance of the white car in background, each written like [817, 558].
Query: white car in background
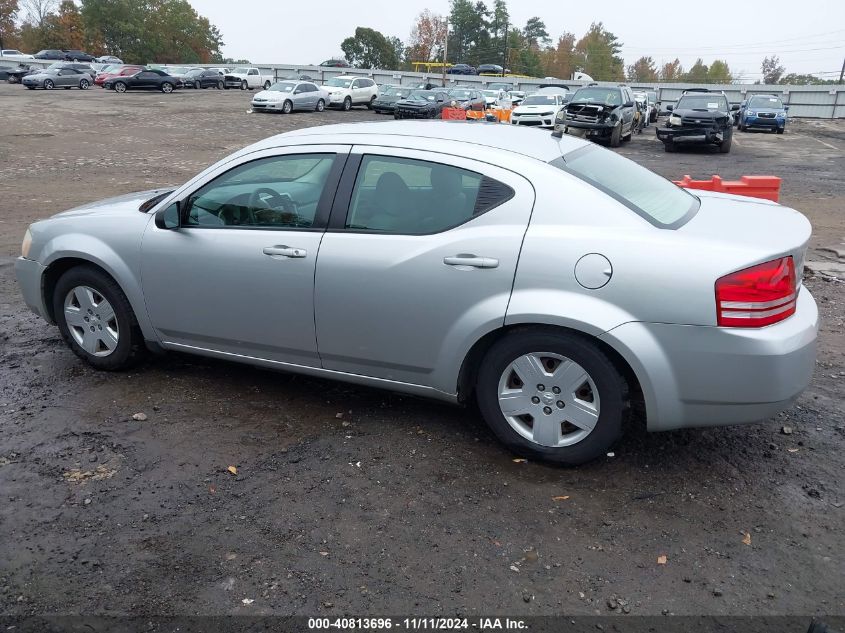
[11, 53]
[347, 91]
[539, 109]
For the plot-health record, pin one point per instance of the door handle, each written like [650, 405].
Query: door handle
[468, 259]
[284, 251]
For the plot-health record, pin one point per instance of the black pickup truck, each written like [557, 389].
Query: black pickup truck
[700, 117]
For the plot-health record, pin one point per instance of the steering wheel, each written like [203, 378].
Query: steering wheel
[289, 209]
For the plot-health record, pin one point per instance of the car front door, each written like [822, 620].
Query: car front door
[65, 77]
[419, 257]
[300, 97]
[237, 276]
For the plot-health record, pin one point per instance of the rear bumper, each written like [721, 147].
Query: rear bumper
[690, 135]
[29, 274]
[712, 376]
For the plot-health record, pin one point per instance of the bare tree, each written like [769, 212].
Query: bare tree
[36, 11]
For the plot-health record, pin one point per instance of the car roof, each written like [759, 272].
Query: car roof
[530, 143]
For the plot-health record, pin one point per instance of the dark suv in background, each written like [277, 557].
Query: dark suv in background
[599, 113]
[701, 117]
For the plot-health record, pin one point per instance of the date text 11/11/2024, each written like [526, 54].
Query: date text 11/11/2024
[417, 624]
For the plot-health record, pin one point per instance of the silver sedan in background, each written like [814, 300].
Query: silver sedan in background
[559, 285]
[58, 78]
[287, 96]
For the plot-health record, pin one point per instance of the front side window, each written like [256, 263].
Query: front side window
[275, 192]
[416, 197]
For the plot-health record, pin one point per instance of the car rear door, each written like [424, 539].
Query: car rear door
[415, 262]
[237, 277]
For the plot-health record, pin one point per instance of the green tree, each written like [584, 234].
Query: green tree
[796, 79]
[599, 51]
[698, 73]
[642, 70]
[560, 61]
[8, 31]
[535, 33]
[469, 37]
[369, 49]
[719, 73]
[772, 69]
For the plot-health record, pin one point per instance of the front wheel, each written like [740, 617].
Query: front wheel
[780, 130]
[321, 105]
[166, 88]
[370, 103]
[287, 107]
[266, 85]
[669, 146]
[725, 145]
[197, 85]
[616, 135]
[96, 320]
[220, 85]
[84, 84]
[244, 85]
[48, 84]
[552, 395]
[347, 104]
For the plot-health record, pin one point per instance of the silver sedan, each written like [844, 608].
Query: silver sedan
[559, 285]
[58, 78]
[287, 96]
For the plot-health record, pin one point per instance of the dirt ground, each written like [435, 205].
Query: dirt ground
[355, 501]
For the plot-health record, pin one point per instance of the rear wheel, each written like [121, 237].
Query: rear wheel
[84, 84]
[370, 103]
[96, 320]
[120, 87]
[552, 395]
[166, 88]
[321, 105]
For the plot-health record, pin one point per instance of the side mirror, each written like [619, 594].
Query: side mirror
[630, 104]
[168, 218]
[670, 107]
[735, 107]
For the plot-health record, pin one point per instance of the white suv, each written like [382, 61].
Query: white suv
[347, 91]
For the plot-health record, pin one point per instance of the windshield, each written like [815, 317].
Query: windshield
[658, 200]
[765, 102]
[507, 87]
[607, 96]
[339, 83]
[240, 71]
[539, 100]
[282, 86]
[393, 91]
[422, 95]
[490, 93]
[195, 72]
[702, 102]
[460, 94]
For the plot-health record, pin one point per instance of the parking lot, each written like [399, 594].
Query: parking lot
[347, 500]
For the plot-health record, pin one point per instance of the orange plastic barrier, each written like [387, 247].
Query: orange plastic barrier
[454, 114]
[501, 115]
[766, 187]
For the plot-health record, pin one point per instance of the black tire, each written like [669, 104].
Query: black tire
[616, 136]
[167, 87]
[630, 133]
[84, 84]
[725, 145]
[30, 87]
[119, 86]
[741, 127]
[48, 84]
[287, 106]
[347, 104]
[130, 346]
[370, 103]
[220, 85]
[610, 384]
[321, 105]
[669, 146]
[244, 84]
[780, 130]
[266, 85]
[198, 85]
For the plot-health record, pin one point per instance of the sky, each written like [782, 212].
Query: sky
[808, 36]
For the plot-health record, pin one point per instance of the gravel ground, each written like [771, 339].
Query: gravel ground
[349, 500]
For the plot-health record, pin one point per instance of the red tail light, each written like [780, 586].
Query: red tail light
[757, 296]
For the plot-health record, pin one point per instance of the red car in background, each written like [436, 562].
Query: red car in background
[122, 71]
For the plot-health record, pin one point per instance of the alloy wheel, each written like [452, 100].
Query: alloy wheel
[91, 321]
[549, 399]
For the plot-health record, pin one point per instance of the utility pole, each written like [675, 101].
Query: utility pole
[842, 72]
[445, 49]
[505, 60]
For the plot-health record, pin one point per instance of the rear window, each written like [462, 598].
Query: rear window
[656, 199]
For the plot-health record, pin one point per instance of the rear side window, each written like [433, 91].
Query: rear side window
[415, 197]
[656, 199]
